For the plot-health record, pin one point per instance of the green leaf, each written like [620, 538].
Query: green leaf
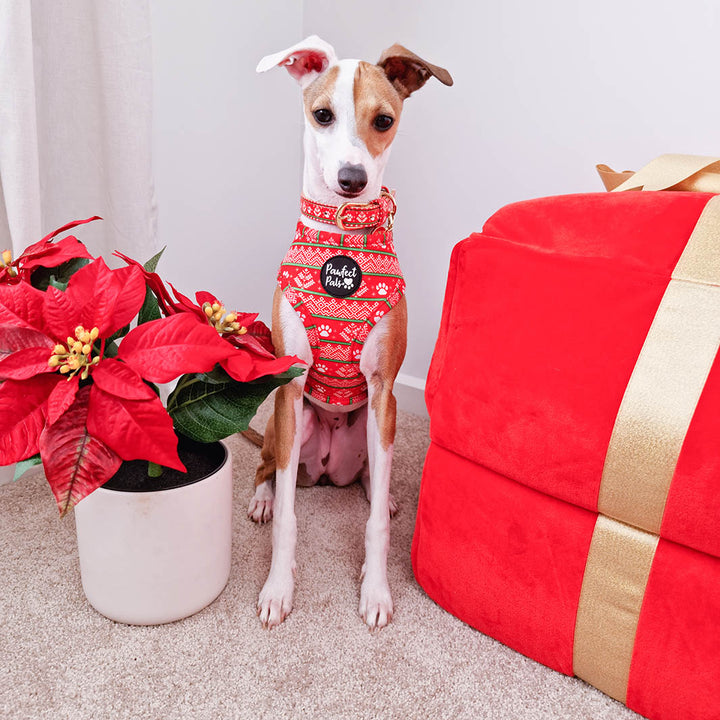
[111, 349]
[151, 264]
[216, 376]
[150, 309]
[210, 410]
[281, 378]
[121, 333]
[59, 276]
[24, 465]
[219, 375]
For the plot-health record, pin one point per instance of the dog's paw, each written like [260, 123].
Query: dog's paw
[260, 509]
[393, 507]
[376, 606]
[275, 601]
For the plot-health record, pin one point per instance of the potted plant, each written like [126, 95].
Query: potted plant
[83, 349]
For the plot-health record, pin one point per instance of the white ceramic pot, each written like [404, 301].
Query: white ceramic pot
[148, 558]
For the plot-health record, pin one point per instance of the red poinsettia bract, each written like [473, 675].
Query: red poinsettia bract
[242, 331]
[85, 412]
[44, 253]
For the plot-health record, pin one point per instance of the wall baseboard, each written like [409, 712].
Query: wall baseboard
[410, 394]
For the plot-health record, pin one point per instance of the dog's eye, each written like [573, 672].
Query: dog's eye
[323, 116]
[383, 122]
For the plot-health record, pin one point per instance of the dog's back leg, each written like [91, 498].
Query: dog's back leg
[261, 506]
[310, 468]
[366, 486]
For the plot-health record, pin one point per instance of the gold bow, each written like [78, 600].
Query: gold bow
[667, 172]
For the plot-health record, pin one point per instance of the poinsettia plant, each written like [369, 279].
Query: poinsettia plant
[82, 349]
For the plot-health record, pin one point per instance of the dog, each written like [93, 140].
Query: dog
[336, 423]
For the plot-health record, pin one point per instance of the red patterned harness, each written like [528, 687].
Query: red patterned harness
[337, 327]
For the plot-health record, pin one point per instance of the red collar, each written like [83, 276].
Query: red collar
[353, 216]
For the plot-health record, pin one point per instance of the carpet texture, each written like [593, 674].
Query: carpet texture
[59, 659]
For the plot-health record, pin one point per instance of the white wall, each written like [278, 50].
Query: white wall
[227, 146]
[543, 92]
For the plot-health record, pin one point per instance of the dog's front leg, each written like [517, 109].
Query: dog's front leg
[382, 357]
[276, 597]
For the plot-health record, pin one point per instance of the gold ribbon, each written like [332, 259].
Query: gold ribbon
[616, 575]
[666, 383]
[698, 173]
[649, 431]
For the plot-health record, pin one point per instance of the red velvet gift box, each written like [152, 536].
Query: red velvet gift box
[570, 500]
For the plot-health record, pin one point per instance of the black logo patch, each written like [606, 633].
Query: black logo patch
[340, 276]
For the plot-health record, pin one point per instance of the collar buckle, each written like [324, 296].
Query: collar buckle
[338, 216]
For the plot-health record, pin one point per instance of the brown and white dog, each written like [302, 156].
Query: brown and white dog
[352, 109]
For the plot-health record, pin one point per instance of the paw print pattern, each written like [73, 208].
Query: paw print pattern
[378, 316]
[382, 289]
[324, 331]
[322, 369]
[357, 353]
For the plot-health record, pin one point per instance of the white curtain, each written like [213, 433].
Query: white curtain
[76, 123]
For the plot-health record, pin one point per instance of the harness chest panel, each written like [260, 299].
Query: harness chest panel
[341, 285]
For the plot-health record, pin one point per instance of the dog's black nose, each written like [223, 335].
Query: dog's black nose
[352, 178]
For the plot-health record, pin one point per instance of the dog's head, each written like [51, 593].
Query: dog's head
[352, 110]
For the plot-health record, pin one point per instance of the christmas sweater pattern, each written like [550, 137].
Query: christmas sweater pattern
[337, 327]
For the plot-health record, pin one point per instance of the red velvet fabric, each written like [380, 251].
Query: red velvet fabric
[506, 559]
[545, 314]
[675, 671]
[509, 561]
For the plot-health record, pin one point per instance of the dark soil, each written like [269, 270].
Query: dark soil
[200, 459]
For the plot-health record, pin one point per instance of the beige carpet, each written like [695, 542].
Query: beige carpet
[59, 659]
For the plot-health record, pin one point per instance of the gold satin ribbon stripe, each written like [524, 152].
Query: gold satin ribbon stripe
[647, 438]
[700, 261]
[659, 403]
[666, 384]
[613, 588]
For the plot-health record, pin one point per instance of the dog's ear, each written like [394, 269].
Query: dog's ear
[408, 72]
[304, 61]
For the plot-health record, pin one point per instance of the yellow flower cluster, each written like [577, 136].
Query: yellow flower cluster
[224, 322]
[76, 356]
[5, 260]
